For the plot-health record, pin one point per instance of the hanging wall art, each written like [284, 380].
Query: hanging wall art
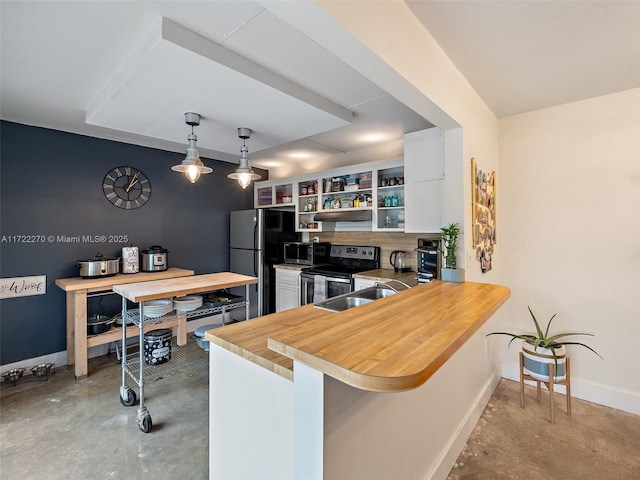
[483, 185]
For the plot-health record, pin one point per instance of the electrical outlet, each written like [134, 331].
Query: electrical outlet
[316, 239]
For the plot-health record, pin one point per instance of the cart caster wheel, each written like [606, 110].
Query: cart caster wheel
[146, 424]
[130, 400]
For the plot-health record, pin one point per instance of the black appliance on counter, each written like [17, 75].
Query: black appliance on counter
[305, 253]
[256, 241]
[429, 258]
[336, 278]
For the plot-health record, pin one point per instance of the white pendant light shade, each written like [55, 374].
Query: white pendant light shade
[192, 166]
[244, 179]
[244, 174]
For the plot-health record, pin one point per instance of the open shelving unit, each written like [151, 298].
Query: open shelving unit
[166, 289]
[364, 186]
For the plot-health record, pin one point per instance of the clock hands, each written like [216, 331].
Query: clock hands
[132, 183]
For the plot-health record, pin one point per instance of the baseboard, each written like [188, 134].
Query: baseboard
[60, 358]
[624, 400]
[462, 434]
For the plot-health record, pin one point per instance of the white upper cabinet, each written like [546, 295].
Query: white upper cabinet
[424, 180]
[272, 194]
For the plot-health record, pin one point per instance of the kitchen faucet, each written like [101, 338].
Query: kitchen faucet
[386, 284]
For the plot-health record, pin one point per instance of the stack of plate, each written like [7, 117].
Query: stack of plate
[187, 303]
[157, 308]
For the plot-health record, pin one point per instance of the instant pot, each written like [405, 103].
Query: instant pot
[154, 259]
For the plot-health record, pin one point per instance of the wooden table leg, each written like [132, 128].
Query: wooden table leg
[71, 340]
[80, 333]
[181, 336]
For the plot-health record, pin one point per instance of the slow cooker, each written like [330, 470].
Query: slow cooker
[154, 259]
[99, 266]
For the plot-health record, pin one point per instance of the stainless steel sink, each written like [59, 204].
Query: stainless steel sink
[374, 293]
[354, 299]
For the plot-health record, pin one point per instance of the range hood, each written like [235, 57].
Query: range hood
[343, 216]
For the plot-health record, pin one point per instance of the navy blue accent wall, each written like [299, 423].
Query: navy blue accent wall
[51, 186]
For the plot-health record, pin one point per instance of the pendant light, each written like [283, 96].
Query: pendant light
[244, 173]
[192, 166]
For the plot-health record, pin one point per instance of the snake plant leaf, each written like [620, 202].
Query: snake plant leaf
[543, 340]
[583, 345]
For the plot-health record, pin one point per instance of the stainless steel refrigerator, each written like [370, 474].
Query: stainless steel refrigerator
[256, 242]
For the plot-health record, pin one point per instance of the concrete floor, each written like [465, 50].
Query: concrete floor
[509, 442]
[79, 430]
[68, 429]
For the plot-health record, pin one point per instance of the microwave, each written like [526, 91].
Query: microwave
[306, 253]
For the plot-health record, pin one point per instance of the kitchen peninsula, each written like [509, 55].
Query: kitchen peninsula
[390, 389]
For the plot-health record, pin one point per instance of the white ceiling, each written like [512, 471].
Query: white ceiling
[522, 56]
[128, 71]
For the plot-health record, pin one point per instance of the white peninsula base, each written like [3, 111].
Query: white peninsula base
[263, 426]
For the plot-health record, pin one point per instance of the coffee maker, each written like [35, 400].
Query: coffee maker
[429, 258]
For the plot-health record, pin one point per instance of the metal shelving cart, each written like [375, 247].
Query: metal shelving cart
[133, 365]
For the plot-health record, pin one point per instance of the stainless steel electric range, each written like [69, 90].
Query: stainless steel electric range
[336, 277]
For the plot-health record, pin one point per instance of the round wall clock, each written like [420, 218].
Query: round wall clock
[126, 187]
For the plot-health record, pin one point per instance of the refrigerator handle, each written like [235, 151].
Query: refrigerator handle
[255, 263]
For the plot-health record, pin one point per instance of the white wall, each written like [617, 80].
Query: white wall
[589, 188]
[570, 219]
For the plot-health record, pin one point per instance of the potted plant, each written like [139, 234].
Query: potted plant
[539, 348]
[449, 272]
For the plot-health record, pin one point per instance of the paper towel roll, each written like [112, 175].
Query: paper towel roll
[130, 260]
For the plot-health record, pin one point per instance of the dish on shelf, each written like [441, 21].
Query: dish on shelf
[158, 308]
[220, 298]
[187, 303]
[117, 320]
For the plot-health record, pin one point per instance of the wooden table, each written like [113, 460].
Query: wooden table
[176, 287]
[77, 289]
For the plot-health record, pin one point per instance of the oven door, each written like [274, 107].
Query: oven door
[334, 287]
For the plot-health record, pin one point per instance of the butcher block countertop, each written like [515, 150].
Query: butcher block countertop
[386, 274]
[390, 345]
[177, 287]
[292, 266]
[105, 283]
